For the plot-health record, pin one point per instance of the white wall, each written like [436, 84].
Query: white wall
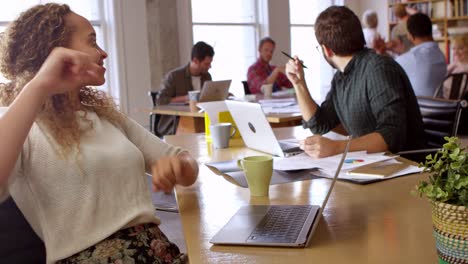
[132, 64]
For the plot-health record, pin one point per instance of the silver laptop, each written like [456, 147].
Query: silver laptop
[256, 130]
[275, 225]
[215, 91]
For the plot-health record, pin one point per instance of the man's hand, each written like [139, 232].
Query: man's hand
[318, 146]
[379, 46]
[294, 71]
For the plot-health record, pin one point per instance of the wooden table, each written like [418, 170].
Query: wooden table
[376, 223]
[194, 121]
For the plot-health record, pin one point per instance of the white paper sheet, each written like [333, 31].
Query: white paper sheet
[328, 164]
[285, 110]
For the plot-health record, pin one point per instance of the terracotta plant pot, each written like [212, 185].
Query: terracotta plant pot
[450, 224]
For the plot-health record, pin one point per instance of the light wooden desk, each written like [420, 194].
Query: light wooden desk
[194, 122]
[376, 223]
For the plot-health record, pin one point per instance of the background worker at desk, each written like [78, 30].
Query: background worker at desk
[261, 72]
[370, 96]
[178, 82]
[424, 63]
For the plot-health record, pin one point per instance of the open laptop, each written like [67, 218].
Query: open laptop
[215, 91]
[275, 225]
[256, 130]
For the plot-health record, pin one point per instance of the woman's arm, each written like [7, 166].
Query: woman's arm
[63, 71]
[15, 125]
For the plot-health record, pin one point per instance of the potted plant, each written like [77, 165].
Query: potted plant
[447, 190]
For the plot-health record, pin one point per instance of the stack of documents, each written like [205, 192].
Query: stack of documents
[357, 166]
[284, 92]
[285, 105]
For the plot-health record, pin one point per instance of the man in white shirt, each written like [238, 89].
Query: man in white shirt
[178, 82]
[424, 63]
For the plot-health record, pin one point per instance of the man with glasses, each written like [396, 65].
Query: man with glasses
[370, 97]
[261, 72]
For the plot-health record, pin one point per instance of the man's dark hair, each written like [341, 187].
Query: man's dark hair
[201, 50]
[419, 25]
[338, 28]
[265, 40]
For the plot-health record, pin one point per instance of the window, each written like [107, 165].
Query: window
[90, 9]
[231, 27]
[303, 14]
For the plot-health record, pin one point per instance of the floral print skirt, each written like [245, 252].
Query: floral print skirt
[139, 244]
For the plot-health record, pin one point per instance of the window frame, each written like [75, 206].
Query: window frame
[326, 72]
[257, 24]
[106, 37]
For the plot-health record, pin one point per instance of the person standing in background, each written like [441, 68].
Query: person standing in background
[261, 72]
[424, 63]
[399, 42]
[370, 22]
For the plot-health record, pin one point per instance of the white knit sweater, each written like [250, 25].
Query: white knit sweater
[73, 203]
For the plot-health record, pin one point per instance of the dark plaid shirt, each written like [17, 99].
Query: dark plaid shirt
[373, 94]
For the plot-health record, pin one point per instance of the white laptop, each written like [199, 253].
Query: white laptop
[215, 91]
[275, 225]
[256, 130]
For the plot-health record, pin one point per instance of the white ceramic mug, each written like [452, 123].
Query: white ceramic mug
[267, 90]
[221, 133]
[193, 96]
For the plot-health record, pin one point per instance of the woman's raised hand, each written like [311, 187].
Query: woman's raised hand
[65, 70]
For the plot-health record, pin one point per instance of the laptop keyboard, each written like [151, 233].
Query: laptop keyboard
[281, 224]
[285, 145]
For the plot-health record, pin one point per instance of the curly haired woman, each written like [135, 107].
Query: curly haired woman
[72, 162]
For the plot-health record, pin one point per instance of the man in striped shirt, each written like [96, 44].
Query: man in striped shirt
[370, 98]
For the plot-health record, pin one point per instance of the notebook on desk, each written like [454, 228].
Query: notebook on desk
[256, 131]
[275, 225]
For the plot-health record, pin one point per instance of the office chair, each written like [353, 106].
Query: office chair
[154, 118]
[458, 86]
[246, 87]
[18, 242]
[458, 91]
[441, 117]
[166, 128]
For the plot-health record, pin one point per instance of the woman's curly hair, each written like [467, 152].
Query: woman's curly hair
[24, 47]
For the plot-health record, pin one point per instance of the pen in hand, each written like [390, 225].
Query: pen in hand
[289, 56]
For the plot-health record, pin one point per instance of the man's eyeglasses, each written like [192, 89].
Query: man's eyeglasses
[319, 49]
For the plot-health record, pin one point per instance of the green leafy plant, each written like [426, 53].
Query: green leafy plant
[448, 169]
